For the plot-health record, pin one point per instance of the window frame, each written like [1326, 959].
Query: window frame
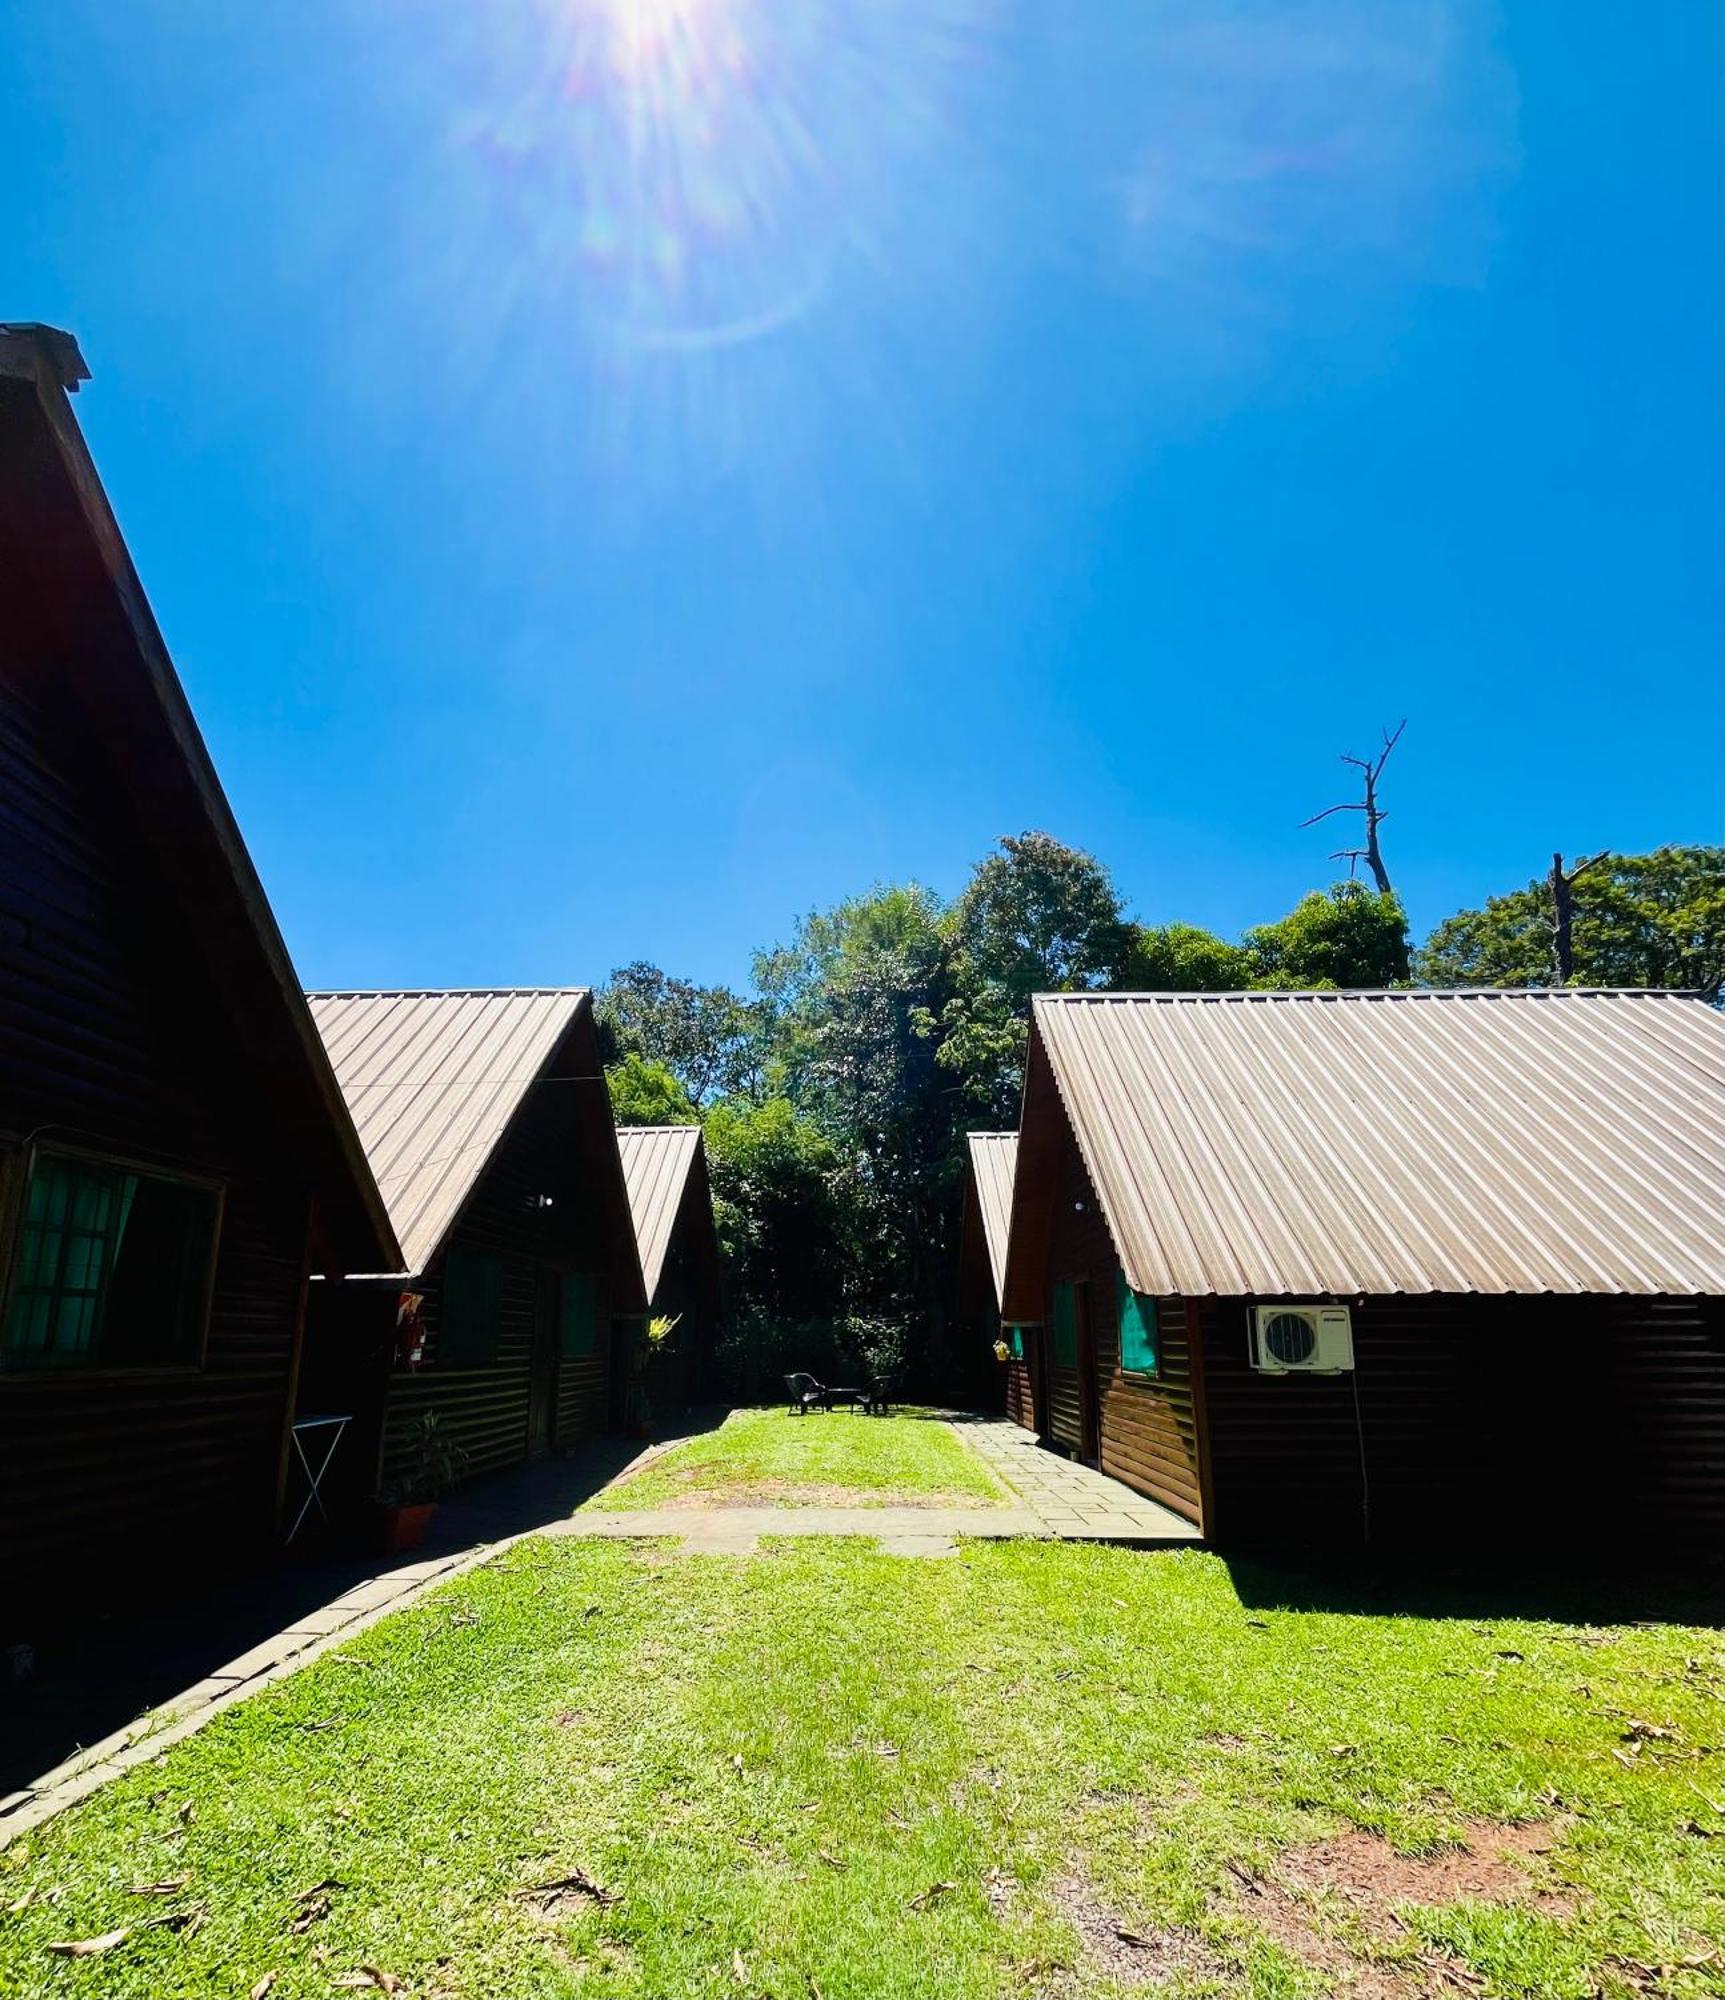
[441, 1360]
[574, 1284]
[1122, 1293]
[16, 1177]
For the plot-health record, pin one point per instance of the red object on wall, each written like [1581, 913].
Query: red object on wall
[409, 1330]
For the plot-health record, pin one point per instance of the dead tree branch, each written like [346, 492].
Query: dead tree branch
[1371, 769]
[1562, 886]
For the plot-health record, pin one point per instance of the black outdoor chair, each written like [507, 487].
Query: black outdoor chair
[806, 1394]
[882, 1394]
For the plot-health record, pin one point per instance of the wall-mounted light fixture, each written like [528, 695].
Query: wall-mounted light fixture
[541, 1201]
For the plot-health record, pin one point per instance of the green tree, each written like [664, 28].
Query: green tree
[1181, 958]
[710, 1038]
[1036, 916]
[644, 1092]
[774, 1207]
[1653, 919]
[1346, 936]
[852, 997]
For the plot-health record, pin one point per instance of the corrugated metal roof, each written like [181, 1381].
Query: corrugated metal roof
[993, 1161]
[1473, 1141]
[432, 1080]
[657, 1161]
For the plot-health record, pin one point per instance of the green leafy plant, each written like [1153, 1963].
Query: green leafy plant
[430, 1463]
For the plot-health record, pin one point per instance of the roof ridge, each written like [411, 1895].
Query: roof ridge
[444, 992]
[1268, 994]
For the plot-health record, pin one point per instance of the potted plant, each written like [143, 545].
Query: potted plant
[638, 1405]
[428, 1464]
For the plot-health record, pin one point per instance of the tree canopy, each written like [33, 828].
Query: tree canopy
[1639, 920]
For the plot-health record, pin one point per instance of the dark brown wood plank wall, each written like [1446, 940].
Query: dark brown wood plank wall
[109, 1041]
[1148, 1429]
[547, 1151]
[1568, 1421]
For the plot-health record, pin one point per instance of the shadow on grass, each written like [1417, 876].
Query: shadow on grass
[1618, 1587]
[122, 1658]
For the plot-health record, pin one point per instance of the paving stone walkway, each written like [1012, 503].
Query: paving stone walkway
[1074, 1502]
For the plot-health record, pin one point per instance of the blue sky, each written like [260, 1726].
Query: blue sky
[616, 475]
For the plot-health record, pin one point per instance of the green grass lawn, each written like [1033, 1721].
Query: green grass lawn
[769, 1458]
[827, 1772]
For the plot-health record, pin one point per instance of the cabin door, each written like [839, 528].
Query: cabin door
[542, 1377]
[1089, 1399]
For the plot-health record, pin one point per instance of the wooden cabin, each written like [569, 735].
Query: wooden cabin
[990, 1161]
[486, 1120]
[671, 1206]
[1330, 1267]
[174, 1153]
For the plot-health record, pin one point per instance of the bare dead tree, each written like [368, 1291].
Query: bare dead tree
[1562, 887]
[1371, 769]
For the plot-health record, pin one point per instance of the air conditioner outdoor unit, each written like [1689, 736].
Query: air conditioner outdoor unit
[1302, 1340]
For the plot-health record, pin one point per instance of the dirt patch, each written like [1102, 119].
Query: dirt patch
[1490, 1865]
[1359, 1879]
[809, 1493]
[1112, 1949]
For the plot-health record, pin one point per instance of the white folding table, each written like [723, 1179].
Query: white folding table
[307, 1429]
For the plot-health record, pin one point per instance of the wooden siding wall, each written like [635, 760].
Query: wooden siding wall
[1561, 1420]
[108, 1041]
[1149, 1430]
[1020, 1393]
[486, 1409]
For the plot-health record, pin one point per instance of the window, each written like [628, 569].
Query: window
[472, 1310]
[578, 1319]
[1138, 1346]
[113, 1266]
[1015, 1340]
[1064, 1326]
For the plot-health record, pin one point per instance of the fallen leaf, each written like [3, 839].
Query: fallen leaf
[1132, 1938]
[329, 1722]
[576, 1883]
[932, 1895]
[1649, 1732]
[170, 1886]
[594, 1611]
[370, 1976]
[886, 1749]
[188, 1921]
[1257, 1624]
[831, 1860]
[314, 1905]
[566, 1718]
[739, 1968]
[90, 1947]
[188, 1812]
[261, 1990]
[1508, 1653]
[1343, 1750]
[1697, 1831]
[737, 1763]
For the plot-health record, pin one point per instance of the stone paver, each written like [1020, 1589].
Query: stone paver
[1073, 1502]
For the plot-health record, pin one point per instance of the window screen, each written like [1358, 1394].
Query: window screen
[472, 1318]
[1138, 1348]
[113, 1267]
[578, 1318]
[1064, 1326]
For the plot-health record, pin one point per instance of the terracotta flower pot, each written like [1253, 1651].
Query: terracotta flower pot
[403, 1528]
